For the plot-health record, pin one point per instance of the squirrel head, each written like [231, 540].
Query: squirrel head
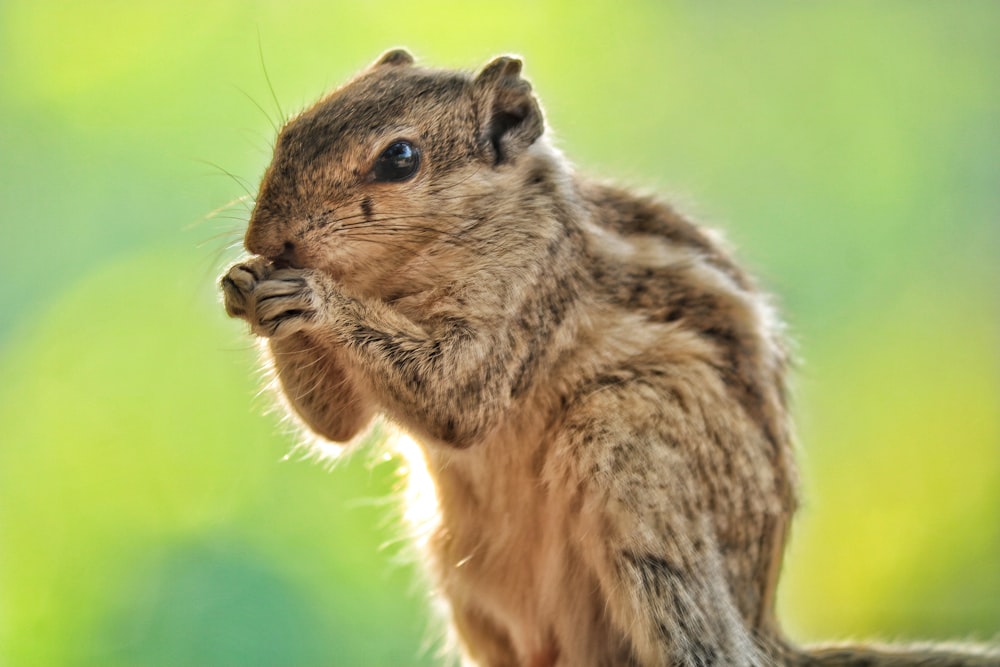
[398, 158]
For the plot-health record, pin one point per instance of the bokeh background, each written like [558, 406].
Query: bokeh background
[149, 513]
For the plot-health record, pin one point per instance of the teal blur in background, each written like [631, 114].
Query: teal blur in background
[149, 514]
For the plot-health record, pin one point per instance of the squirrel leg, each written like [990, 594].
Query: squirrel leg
[445, 378]
[646, 534]
[486, 644]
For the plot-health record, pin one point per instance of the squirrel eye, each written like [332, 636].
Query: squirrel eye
[396, 163]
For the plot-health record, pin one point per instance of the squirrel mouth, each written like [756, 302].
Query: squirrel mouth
[288, 259]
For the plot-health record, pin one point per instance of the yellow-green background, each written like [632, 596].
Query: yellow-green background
[147, 516]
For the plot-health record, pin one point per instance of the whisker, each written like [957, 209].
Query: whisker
[413, 252]
[459, 197]
[267, 78]
[218, 255]
[386, 224]
[219, 218]
[382, 219]
[379, 221]
[426, 232]
[216, 212]
[242, 219]
[420, 234]
[270, 121]
[236, 179]
[475, 172]
[233, 234]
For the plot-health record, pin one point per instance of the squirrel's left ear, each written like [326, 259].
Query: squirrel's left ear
[509, 119]
[394, 58]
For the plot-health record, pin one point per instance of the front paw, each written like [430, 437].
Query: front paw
[284, 303]
[238, 285]
[275, 302]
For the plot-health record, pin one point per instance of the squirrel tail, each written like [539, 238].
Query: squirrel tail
[912, 655]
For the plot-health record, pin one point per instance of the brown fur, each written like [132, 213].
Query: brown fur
[599, 389]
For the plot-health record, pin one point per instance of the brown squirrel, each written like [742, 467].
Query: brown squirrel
[598, 388]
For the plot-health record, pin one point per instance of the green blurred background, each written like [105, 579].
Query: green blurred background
[148, 512]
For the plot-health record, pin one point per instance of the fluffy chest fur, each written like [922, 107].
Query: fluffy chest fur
[507, 557]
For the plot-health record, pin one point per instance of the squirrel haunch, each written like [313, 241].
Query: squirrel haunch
[598, 388]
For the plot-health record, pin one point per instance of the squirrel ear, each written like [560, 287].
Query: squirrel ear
[509, 117]
[394, 58]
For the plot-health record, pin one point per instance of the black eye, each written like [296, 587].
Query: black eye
[397, 162]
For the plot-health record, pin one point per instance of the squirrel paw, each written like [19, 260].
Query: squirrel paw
[275, 302]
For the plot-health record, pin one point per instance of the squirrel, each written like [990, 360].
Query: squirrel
[598, 389]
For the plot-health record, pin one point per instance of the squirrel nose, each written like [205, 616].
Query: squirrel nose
[268, 238]
[283, 255]
[264, 240]
[257, 241]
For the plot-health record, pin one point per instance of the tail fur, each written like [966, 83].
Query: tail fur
[913, 655]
